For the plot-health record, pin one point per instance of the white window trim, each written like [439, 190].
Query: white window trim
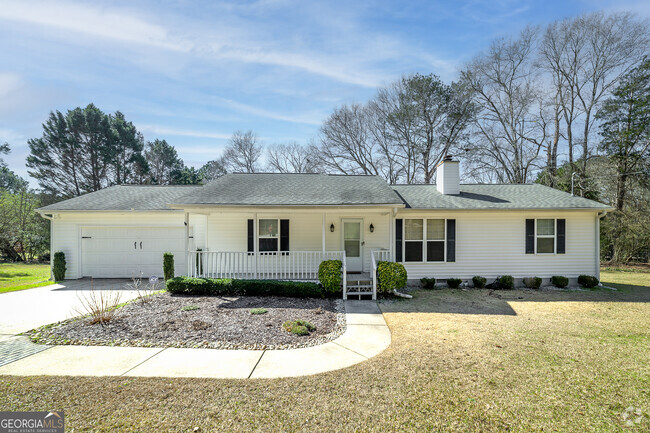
[268, 237]
[554, 236]
[424, 240]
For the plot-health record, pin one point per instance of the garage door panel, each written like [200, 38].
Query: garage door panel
[127, 252]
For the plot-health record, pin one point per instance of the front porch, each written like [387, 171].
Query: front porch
[290, 265]
[289, 244]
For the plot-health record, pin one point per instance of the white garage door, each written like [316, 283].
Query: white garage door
[127, 252]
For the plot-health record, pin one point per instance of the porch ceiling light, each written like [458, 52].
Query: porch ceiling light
[332, 227]
[372, 228]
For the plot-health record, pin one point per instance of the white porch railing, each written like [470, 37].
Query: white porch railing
[282, 265]
[377, 256]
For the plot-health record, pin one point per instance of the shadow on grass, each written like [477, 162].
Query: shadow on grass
[497, 302]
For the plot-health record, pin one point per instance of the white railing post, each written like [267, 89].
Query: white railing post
[374, 276]
[345, 277]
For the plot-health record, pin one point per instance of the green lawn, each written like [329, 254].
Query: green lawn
[17, 276]
[459, 361]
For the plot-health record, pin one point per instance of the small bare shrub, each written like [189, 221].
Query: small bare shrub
[100, 306]
[144, 291]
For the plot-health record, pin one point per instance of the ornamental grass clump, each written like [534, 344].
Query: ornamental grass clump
[298, 327]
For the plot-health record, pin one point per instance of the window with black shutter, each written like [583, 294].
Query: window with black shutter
[284, 235]
[398, 239]
[561, 236]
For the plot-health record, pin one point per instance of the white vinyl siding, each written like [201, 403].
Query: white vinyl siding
[492, 243]
[228, 230]
[67, 231]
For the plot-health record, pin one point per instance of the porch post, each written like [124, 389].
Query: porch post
[255, 244]
[323, 233]
[187, 243]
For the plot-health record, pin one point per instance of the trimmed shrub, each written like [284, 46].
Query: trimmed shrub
[329, 275]
[189, 307]
[257, 311]
[479, 282]
[559, 281]
[506, 282]
[229, 287]
[200, 286]
[454, 283]
[168, 266]
[391, 276]
[59, 266]
[588, 281]
[428, 283]
[298, 327]
[533, 282]
[293, 289]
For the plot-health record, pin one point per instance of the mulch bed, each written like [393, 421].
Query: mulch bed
[218, 322]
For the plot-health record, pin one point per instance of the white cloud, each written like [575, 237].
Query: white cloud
[9, 83]
[162, 130]
[93, 21]
[267, 113]
[353, 59]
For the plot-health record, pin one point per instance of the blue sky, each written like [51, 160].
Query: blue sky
[193, 72]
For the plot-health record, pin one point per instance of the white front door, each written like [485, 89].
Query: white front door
[353, 244]
[127, 252]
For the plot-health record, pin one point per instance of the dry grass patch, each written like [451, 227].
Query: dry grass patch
[476, 360]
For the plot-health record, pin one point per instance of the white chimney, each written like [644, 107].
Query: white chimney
[448, 177]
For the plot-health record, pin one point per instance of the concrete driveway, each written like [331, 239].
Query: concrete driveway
[28, 309]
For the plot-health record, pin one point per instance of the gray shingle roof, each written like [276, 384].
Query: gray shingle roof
[124, 197]
[527, 196]
[267, 189]
[275, 189]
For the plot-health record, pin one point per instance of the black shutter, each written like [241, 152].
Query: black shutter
[451, 240]
[530, 236]
[398, 240]
[561, 236]
[251, 236]
[284, 235]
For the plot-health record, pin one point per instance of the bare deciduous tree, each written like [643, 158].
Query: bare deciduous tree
[586, 56]
[243, 153]
[291, 158]
[509, 136]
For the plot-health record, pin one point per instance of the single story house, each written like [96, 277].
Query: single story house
[281, 226]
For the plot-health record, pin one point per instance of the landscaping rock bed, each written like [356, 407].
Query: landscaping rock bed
[166, 320]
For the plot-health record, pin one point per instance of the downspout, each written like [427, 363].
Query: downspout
[599, 216]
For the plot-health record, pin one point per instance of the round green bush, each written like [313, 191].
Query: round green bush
[506, 282]
[391, 276]
[588, 281]
[559, 281]
[59, 266]
[454, 283]
[533, 282]
[329, 275]
[428, 283]
[479, 282]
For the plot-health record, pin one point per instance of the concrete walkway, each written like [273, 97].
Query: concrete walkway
[366, 336]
